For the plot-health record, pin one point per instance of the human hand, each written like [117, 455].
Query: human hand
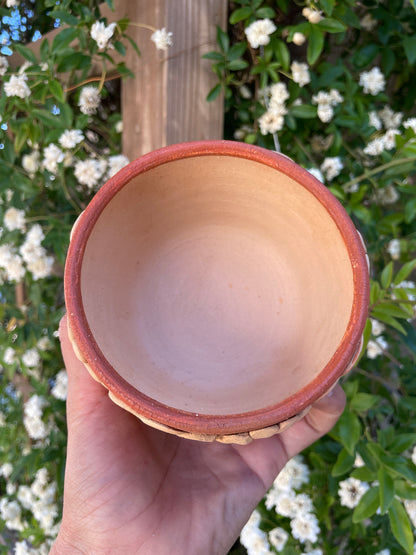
[131, 489]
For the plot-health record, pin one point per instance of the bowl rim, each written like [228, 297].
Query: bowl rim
[152, 409]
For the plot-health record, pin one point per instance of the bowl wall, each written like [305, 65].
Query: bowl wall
[217, 285]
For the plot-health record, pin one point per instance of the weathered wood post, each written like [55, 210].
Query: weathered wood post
[166, 102]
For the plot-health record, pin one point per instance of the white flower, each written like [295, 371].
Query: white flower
[390, 139]
[32, 418]
[11, 263]
[325, 112]
[9, 356]
[377, 327]
[278, 538]
[162, 39]
[411, 122]
[14, 219]
[31, 162]
[298, 38]
[6, 469]
[413, 455]
[41, 267]
[31, 358]
[305, 528]
[52, 156]
[258, 33]
[22, 548]
[89, 172]
[410, 506]
[44, 343]
[4, 64]
[358, 462]
[35, 235]
[376, 347]
[102, 34]
[70, 138]
[313, 16]
[374, 120]
[278, 94]
[300, 73]
[331, 167]
[372, 81]
[375, 147]
[12, 3]
[89, 100]
[387, 195]
[368, 23]
[351, 491]
[60, 389]
[271, 121]
[293, 475]
[390, 119]
[115, 163]
[119, 127]
[252, 538]
[316, 173]
[10, 512]
[17, 86]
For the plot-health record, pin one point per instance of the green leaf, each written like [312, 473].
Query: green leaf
[327, 6]
[404, 490]
[387, 275]
[368, 505]
[21, 138]
[304, 111]
[282, 54]
[409, 45]
[343, 464]
[362, 402]
[110, 4]
[389, 320]
[400, 526]
[63, 39]
[315, 44]
[266, 12]
[223, 40]
[56, 89]
[348, 429]
[236, 65]
[66, 17]
[240, 14]
[332, 25]
[133, 44]
[364, 474]
[25, 52]
[74, 61]
[46, 117]
[119, 46]
[387, 490]
[237, 50]
[404, 272]
[214, 92]
[216, 56]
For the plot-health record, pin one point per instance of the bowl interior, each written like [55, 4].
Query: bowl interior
[216, 285]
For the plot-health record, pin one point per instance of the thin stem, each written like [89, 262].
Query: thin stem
[378, 169]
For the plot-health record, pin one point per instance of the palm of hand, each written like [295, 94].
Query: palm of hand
[133, 489]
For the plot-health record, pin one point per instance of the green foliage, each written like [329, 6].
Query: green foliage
[333, 86]
[58, 145]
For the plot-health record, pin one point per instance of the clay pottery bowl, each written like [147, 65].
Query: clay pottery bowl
[216, 290]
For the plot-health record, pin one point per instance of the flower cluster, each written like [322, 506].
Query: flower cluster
[326, 102]
[273, 119]
[258, 33]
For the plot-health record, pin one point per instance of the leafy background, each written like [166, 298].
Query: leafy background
[334, 88]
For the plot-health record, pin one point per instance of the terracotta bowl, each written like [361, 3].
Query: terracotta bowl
[216, 290]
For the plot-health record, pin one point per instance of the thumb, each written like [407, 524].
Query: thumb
[320, 420]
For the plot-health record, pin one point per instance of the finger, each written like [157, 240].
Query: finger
[320, 420]
[83, 390]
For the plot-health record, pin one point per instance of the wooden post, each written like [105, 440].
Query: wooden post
[166, 102]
